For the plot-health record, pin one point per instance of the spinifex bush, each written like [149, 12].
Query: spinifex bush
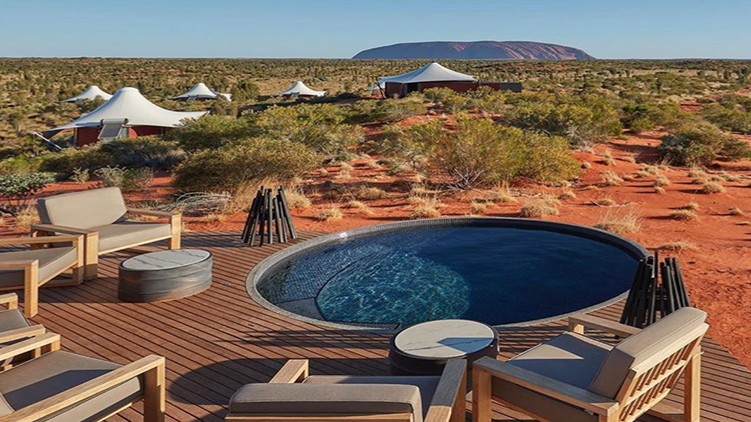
[700, 145]
[211, 132]
[250, 160]
[384, 110]
[144, 151]
[16, 188]
[88, 157]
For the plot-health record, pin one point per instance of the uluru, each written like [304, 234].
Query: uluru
[475, 50]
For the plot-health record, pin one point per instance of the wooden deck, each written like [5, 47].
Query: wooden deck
[219, 340]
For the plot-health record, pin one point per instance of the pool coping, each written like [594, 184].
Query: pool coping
[258, 271]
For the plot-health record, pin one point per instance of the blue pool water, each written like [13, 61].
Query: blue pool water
[497, 275]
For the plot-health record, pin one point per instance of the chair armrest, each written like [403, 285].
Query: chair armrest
[10, 300]
[453, 381]
[550, 387]
[152, 213]
[50, 340]
[8, 241]
[54, 228]
[84, 391]
[577, 323]
[18, 265]
[295, 370]
[21, 333]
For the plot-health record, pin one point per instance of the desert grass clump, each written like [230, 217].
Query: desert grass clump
[630, 158]
[678, 246]
[426, 210]
[605, 202]
[296, 199]
[369, 193]
[476, 208]
[586, 164]
[682, 215]
[373, 165]
[736, 211]
[659, 189]
[607, 158]
[361, 207]
[691, 206]
[212, 218]
[712, 187]
[80, 175]
[696, 172]
[662, 180]
[619, 221]
[329, 213]
[569, 194]
[538, 207]
[25, 216]
[500, 194]
[730, 177]
[345, 167]
[610, 178]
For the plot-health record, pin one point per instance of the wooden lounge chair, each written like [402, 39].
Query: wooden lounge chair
[573, 378]
[293, 395]
[100, 215]
[31, 269]
[14, 327]
[63, 386]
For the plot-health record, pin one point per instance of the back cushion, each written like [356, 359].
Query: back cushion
[83, 210]
[672, 332]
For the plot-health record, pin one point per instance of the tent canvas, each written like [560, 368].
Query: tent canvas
[432, 72]
[89, 94]
[300, 89]
[201, 92]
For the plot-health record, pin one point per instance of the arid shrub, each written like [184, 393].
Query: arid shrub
[111, 177]
[80, 176]
[619, 221]
[425, 211]
[16, 188]
[87, 157]
[712, 187]
[330, 213]
[700, 145]
[369, 193]
[249, 160]
[210, 132]
[384, 110]
[678, 246]
[683, 215]
[361, 207]
[538, 207]
[296, 199]
[476, 208]
[144, 151]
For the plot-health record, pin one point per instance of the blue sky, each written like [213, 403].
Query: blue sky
[341, 28]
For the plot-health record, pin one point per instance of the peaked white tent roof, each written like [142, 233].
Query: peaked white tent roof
[201, 92]
[299, 88]
[90, 94]
[432, 72]
[128, 103]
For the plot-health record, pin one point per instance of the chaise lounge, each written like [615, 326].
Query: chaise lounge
[575, 378]
[100, 215]
[293, 395]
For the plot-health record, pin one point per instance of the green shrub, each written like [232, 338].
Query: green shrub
[80, 176]
[144, 151]
[249, 160]
[111, 177]
[700, 145]
[211, 132]
[728, 116]
[129, 180]
[20, 164]
[19, 186]
[89, 157]
[408, 144]
[384, 111]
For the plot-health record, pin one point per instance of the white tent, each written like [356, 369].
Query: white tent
[432, 72]
[299, 89]
[128, 103]
[201, 92]
[90, 94]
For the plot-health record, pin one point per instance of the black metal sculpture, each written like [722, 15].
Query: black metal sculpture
[269, 216]
[657, 289]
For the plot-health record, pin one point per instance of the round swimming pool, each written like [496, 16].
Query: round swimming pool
[495, 270]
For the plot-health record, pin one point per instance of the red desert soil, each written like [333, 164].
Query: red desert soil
[717, 272]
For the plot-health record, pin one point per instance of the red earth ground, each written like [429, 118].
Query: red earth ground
[716, 266]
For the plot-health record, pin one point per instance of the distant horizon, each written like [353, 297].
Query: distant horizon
[339, 29]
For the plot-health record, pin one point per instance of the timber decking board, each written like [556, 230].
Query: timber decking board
[220, 339]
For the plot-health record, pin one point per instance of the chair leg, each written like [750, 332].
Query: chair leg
[481, 396]
[31, 289]
[154, 394]
[91, 256]
[459, 411]
[175, 229]
[692, 390]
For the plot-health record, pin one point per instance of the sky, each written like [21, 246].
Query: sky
[616, 29]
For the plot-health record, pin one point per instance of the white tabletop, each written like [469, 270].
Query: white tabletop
[165, 260]
[445, 339]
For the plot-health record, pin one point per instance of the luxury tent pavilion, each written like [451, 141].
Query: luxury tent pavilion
[91, 93]
[127, 114]
[202, 92]
[299, 89]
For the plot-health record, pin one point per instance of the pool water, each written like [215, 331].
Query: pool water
[496, 275]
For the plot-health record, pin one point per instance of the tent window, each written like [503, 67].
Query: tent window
[112, 131]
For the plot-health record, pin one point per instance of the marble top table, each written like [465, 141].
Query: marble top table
[164, 275]
[423, 349]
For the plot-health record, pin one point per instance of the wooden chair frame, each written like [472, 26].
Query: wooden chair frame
[30, 268]
[448, 403]
[644, 387]
[91, 237]
[152, 368]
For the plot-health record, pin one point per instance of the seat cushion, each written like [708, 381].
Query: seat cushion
[127, 233]
[670, 333]
[571, 358]
[337, 395]
[52, 261]
[11, 319]
[83, 210]
[55, 372]
[538, 405]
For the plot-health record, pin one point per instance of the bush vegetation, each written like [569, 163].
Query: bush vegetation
[700, 145]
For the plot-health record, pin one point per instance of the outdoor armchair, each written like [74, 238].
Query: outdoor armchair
[14, 326]
[294, 395]
[31, 269]
[100, 215]
[574, 378]
[63, 386]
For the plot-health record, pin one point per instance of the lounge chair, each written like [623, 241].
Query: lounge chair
[100, 215]
[293, 395]
[64, 386]
[31, 269]
[14, 326]
[574, 378]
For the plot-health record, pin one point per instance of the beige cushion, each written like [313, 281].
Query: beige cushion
[55, 372]
[52, 261]
[11, 319]
[539, 405]
[127, 233]
[338, 395]
[670, 333]
[83, 210]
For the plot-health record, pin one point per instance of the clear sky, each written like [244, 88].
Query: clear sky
[341, 28]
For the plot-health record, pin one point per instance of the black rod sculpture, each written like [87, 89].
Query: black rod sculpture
[268, 217]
